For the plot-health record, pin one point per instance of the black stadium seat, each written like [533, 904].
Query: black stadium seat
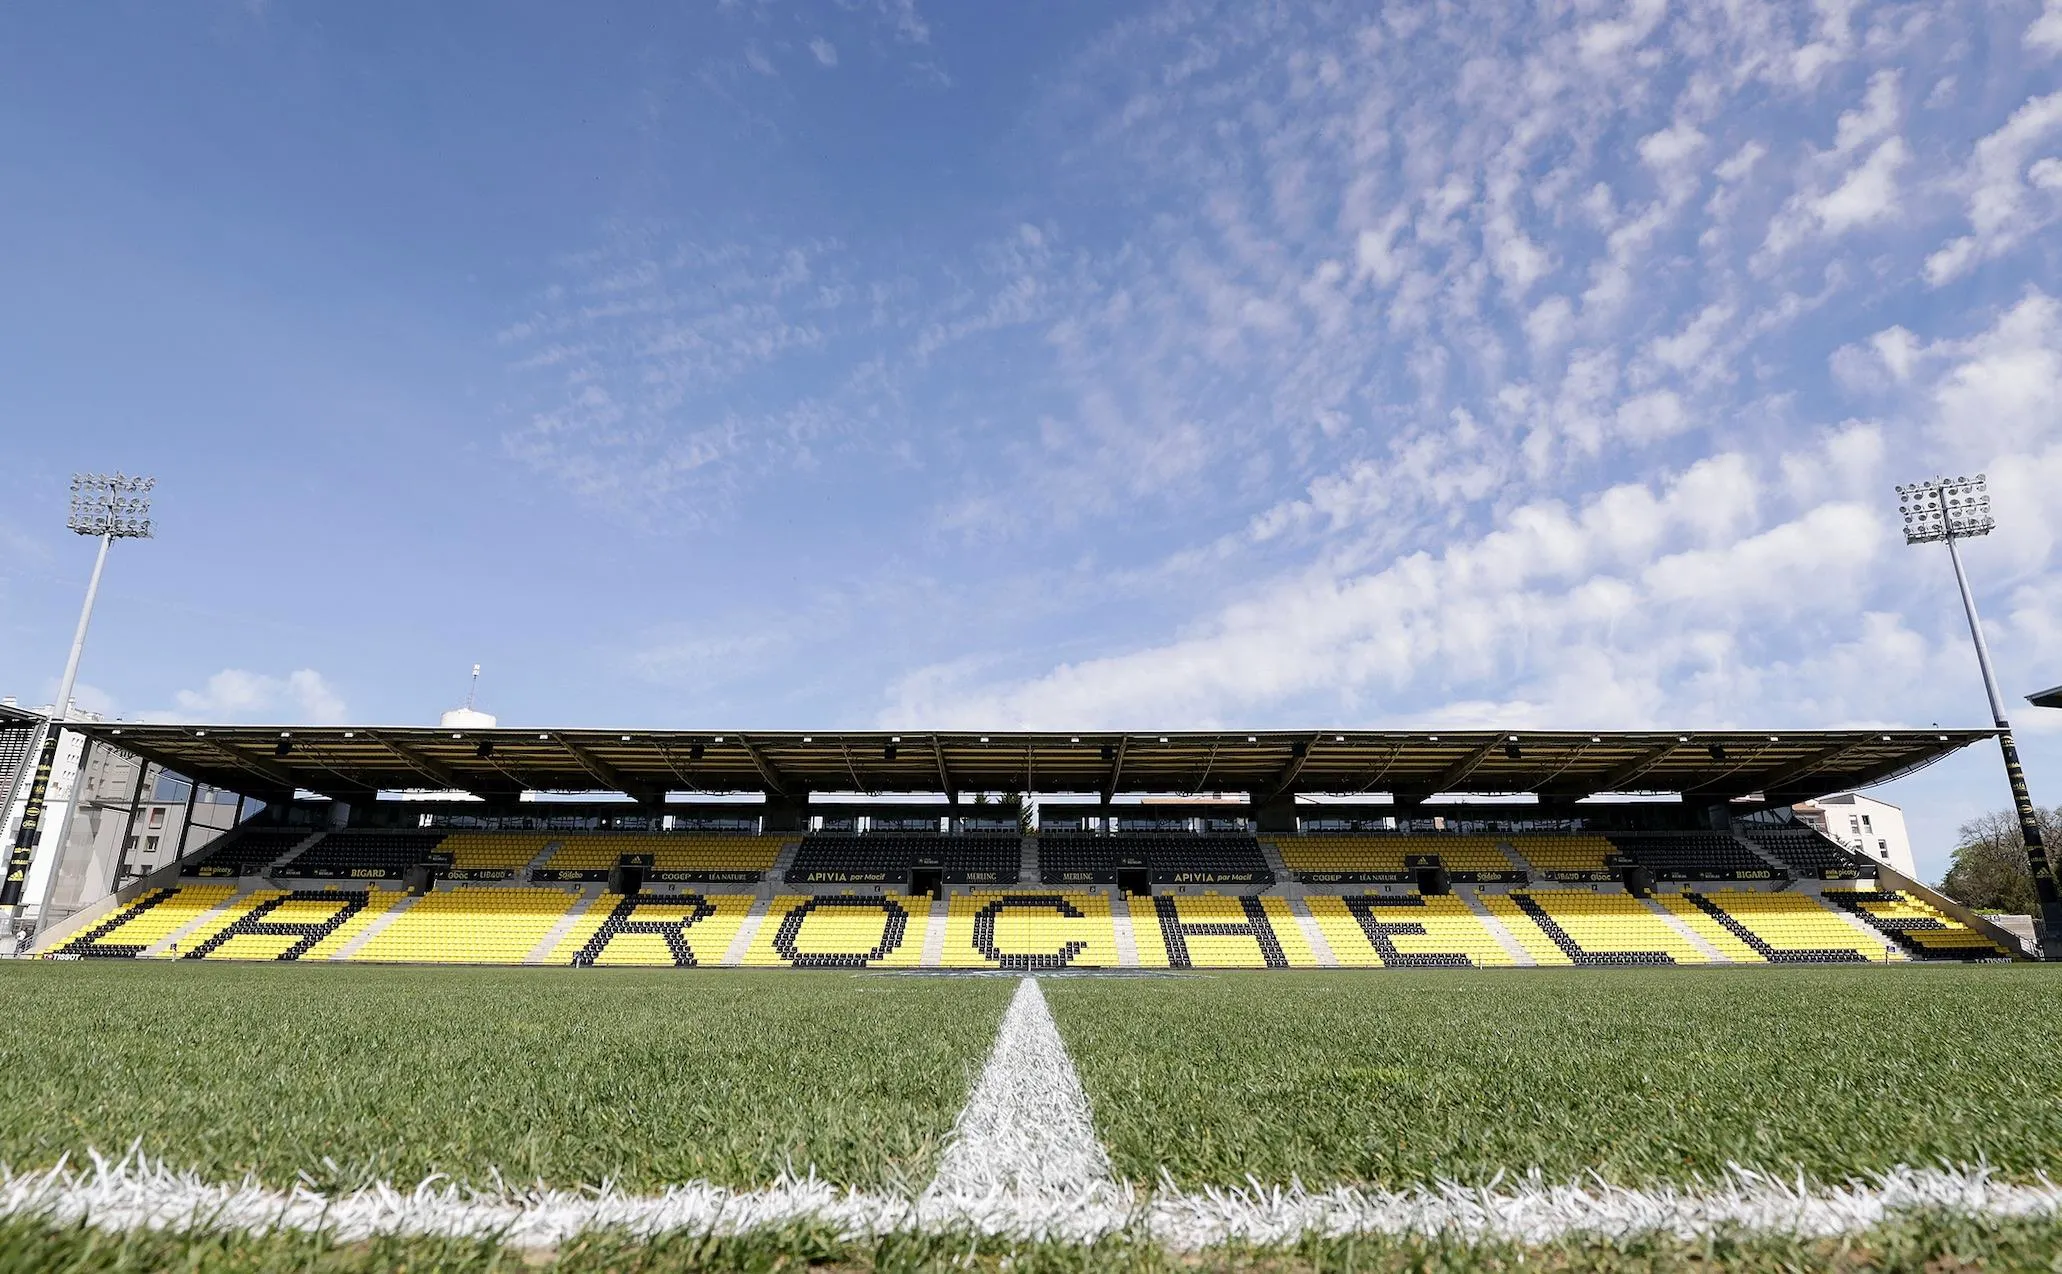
[365, 855]
[1808, 854]
[245, 852]
[1692, 855]
[889, 857]
[1171, 858]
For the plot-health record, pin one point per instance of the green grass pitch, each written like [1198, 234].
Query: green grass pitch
[1639, 1075]
[345, 1075]
[565, 1077]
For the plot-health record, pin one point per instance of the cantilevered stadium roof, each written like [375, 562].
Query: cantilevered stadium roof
[1268, 765]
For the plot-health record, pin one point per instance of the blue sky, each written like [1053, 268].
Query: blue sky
[880, 362]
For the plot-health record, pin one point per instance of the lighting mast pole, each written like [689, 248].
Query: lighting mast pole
[110, 507]
[1945, 510]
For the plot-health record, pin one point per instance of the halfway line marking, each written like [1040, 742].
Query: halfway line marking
[1026, 1127]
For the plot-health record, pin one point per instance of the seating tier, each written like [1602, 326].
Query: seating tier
[1323, 858]
[889, 857]
[245, 852]
[1916, 925]
[1693, 855]
[1168, 858]
[666, 856]
[1028, 930]
[1807, 854]
[366, 855]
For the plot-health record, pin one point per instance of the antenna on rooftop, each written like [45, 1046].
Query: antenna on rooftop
[469, 716]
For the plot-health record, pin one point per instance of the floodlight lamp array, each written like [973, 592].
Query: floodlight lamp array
[1944, 509]
[111, 504]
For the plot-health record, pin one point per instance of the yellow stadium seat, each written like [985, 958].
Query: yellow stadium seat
[847, 931]
[1373, 931]
[1218, 931]
[677, 853]
[1760, 926]
[486, 855]
[281, 924]
[481, 924]
[1916, 925]
[682, 930]
[144, 921]
[1560, 854]
[1029, 930]
[1391, 856]
[1581, 927]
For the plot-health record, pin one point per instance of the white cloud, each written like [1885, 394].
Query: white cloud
[2044, 34]
[1897, 348]
[1741, 162]
[1428, 218]
[1652, 416]
[826, 52]
[1550, 324]
[1647, 579]
[1868, 194]
[1876, 117]
[1602, 41]
[1672, 146]
[1999, 397]
[302, 697]
[1690, 349]
[638, 353]
[2000, 210]
[1883, 361]
[902, 17]
[1768, 588]
[1832, 44]
[697, 655]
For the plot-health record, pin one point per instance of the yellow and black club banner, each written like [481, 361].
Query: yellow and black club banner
[25, 838]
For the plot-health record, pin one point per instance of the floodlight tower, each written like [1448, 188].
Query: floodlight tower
[1943, 510]
[111, 506]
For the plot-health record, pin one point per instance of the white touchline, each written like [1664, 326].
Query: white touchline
[131, 1193]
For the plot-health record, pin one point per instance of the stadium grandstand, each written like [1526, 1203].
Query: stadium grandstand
[1289, 850]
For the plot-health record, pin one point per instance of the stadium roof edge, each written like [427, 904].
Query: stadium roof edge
[11, 715]
[356, 762]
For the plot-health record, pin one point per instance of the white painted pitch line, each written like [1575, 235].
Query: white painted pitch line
[134, 1193]
[1026, 1128]
[1535, 1212]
